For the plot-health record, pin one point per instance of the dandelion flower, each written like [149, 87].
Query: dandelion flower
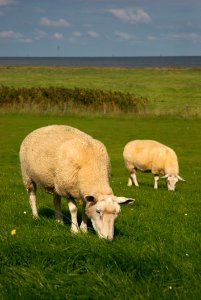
[13, 232]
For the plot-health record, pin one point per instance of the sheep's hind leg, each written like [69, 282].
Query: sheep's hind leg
[133, 178]
[57, 206]
[32, 199]
[73, 211]
[83, 225]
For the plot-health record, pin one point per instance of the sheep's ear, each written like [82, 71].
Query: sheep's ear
[123, 200]
[180, 178]
[90, 198]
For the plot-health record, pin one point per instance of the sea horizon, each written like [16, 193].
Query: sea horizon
[103, 61]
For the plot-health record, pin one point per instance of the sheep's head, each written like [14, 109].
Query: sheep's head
[103, 212]
[171, 181]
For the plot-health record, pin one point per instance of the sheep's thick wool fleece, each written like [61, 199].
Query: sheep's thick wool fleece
[151, 155]
[65, 160]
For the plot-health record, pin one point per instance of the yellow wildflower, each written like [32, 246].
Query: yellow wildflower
[13, 232]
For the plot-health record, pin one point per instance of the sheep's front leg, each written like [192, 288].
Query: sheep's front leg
[32, 200]
[83, 225]
[133, 178]
[73, 211]
[156, 179]
[57, 206]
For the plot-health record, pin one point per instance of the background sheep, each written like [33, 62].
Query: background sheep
[67, 162]
[151, 156]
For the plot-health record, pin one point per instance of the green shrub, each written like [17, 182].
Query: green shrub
[66, 99]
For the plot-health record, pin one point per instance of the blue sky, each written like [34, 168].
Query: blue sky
[100, 27]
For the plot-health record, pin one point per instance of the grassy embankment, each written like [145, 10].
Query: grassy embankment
[169, 91]
[156, 251]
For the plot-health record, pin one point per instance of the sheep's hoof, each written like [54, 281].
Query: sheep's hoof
[74, 230]
[83, 228]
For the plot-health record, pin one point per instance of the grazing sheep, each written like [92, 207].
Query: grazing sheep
[154, 157]
[69, 163]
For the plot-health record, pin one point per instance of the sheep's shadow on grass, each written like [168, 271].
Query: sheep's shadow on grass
[49, 213]
[46, 212]
[150, 186]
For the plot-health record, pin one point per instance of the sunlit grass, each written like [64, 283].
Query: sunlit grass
[156, 251]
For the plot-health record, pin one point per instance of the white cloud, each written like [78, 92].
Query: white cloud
[13, 35]
[130, 15]
[194, 36]
[77, 34]
[26, 40]
[6, 2]
[124, 35]
[152, 38]
[58, 36]
[189, 36]
[54, 23]
[92, 34]
[10, 34]
[40, 34]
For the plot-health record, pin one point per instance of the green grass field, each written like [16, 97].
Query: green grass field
[156, 251]
[170, 91]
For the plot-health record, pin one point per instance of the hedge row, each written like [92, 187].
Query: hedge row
[67, 99]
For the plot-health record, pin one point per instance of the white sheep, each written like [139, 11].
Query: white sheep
[154, 157]
[69, 163]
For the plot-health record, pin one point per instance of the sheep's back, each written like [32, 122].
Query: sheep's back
[149, 155]
[64, 158]
[39, 151]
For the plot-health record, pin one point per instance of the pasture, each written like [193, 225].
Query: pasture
[156, 251]
[175, 92]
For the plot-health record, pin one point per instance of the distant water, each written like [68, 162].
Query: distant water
[123, 62]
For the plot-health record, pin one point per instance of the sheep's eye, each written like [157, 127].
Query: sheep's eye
[98, 210]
